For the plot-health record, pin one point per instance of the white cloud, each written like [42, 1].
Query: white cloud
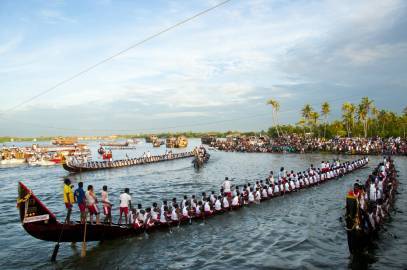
[55, 16]
[369, 55]
[232, 58]
[178, 114]
[11, 44]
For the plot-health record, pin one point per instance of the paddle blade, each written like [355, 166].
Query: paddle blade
[83, 252]
[55, 253]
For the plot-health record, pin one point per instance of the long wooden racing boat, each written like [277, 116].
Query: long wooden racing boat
[41, 223]
[364, 215]
[103, 165]
[115, 144]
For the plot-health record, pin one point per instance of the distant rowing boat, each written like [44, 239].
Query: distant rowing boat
[121, 148]
[103, 165]
[115, 144]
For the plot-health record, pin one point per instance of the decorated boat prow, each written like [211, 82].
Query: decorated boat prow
[41, 223]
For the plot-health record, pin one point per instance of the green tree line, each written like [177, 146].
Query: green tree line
[358, 120]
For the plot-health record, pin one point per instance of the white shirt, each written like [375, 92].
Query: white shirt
[154, 215]
[174, 215]
[124, 200]
[162, 217]
[218, 205]
[235, 201]
[105, 198]
[251, 197]
[197, 210]
[264, 193]
[258, 196]
[226, 186]
[207, 208]
[372, 192]
[297, 184]
[225, 202]
[89, 199]
[185, 211]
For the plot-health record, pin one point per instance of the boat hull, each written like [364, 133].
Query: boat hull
[123, 163]
[41, 223]
[13, 161]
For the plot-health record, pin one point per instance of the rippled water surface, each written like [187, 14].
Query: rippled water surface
[298, 231]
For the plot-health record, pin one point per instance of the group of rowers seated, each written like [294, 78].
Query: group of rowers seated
[233, 197]
[132, 161]
[375, 196]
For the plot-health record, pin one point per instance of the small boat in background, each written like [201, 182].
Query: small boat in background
[208, 139]
[182, 142]
[41, 162]
[177, 142]
[115, 144]
[158, 143]
[65, 141]
[151, 138]
[12, 161]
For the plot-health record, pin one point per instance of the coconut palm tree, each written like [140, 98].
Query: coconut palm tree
[302, 123]
[375, 115]
[382, 118]
[325, 110]
[314, 116]
[347, 115]
[306, 113]
[363, 113]
[275, 108]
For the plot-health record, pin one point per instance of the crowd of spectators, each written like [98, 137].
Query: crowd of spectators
[304, 144]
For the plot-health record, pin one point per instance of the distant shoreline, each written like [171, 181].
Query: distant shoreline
[6, 139]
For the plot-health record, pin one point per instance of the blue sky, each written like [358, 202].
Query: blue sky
[214, 73]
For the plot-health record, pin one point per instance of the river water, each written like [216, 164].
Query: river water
[299, 231]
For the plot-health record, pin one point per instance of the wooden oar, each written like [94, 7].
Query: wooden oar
[83, 251]
[56, 248]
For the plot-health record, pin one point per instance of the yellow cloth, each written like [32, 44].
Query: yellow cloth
[68, 192]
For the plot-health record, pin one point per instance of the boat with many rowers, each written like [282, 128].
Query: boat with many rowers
[116, 144]
[368, 206]
[72, 166]
[41, 223]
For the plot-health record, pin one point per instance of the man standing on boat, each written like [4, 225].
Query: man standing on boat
[227, 185]
[68, 199]
[80, 199]
[107, 206]
[91, 202]
[125, 204]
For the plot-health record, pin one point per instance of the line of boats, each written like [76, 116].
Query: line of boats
[41, 155]
[170, 142]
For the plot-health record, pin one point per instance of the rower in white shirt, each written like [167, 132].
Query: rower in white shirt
[218, 204]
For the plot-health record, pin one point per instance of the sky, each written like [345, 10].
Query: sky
[213, 73]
